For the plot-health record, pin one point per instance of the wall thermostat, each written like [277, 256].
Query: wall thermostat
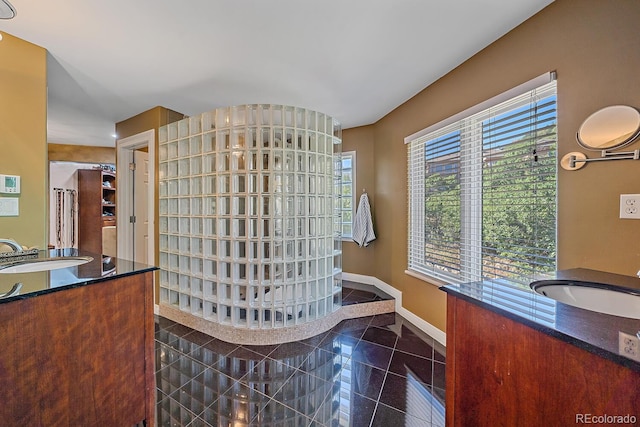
[9, 184]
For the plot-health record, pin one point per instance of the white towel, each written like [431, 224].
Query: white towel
[363, 224]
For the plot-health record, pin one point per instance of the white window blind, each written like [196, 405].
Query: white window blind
[482, 191]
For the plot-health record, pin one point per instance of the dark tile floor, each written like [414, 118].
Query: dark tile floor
[373, 371]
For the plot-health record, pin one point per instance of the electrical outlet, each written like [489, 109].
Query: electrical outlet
[629, 345]
[630, 206]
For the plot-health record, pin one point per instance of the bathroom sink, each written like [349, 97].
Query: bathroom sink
[43, 264]
[599, 297]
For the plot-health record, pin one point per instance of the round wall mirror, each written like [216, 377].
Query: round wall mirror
[610, 127]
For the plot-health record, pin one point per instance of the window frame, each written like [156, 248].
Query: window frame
[352, 155]
[416, 198]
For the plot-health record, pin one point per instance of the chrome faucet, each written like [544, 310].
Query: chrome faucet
[12, 244]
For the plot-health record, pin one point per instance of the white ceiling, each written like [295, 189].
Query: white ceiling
[355, 60]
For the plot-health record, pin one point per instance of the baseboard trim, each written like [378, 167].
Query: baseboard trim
[417, 321]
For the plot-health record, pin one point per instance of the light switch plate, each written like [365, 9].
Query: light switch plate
[630, 206]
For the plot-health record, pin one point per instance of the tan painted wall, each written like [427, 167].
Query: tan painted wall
[361, 140]
[23, 136]
[81, 153]
[594, 46]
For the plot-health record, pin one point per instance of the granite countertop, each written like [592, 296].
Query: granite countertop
[38, 283]
[589, 330]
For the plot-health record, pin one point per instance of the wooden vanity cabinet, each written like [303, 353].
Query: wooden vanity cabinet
[80, 357]
[500, 372]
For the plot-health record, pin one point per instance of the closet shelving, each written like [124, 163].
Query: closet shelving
[96, 209]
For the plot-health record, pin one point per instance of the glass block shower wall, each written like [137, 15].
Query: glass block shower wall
[249, 216]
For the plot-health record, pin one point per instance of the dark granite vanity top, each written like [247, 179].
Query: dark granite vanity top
[38, 283]
[590, 330]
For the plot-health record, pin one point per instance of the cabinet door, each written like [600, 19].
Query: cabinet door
[502, 373]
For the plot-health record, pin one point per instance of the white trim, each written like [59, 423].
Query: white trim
[417, 321]
[156, 309]
[504, 96]
[125, 228]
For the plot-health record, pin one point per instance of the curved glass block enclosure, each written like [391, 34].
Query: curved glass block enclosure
[249, 221]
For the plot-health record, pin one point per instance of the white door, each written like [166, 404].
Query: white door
[136, 197]
[140, 238]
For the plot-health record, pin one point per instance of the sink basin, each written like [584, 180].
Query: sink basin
[599, 297]
[44, 264]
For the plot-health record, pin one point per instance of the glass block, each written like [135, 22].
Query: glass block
[172, 131]
[238, 161]
[184, 245]
[197, 307]
[162, 153]
[183, 128]
[278, 227]
[196, 287]
[185, 226]
[224, 227]
[210, 227]
[195, 125]
[239, 184]
[209, 289]
[196, 186]
[224, 205]
[172, 169]
[251, 138]
[185, 267]
[174, 298]
[253, 228]
[196, 246]
[209, 184]
[184, 184]
[311, 188]
[210, 269]
[238, 139]
[164, 242]
[278, 141]
[254, 253]
[208, 142]
[163, 206]
[196, 225]
[208, 120]
[185, 206]
[162, 134]
[210, 204]
[289, 140]
[172, 187]
[223, 140]
[163, 170]
[225, 251]
[173, 225]
[163, 225]
[195, 165]
[224, 162]
[183, 148]
[223, 118]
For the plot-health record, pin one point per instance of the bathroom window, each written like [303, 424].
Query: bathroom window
[482, 190]
[348, 195]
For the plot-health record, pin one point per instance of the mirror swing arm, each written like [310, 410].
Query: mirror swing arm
[575, 159]
[607, 129]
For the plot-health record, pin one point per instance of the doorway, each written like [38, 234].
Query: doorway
[136, 197]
